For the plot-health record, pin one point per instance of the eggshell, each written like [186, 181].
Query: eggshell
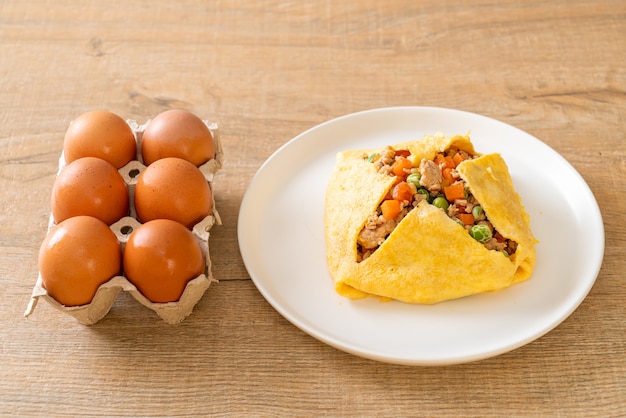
[104, 299]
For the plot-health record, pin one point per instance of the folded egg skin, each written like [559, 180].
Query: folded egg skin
[428, 258]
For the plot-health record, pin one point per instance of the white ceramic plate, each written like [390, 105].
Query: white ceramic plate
[281, 237]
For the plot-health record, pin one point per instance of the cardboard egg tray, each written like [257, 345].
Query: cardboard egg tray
[171, 312]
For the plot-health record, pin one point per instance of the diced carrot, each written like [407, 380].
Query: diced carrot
[447, 173]
[401, 166]
[466, 218]
[390, 209]
[458, 158]
[440, 160]
[444, 161]
[446, 182]
[402, 191]
[454, 191]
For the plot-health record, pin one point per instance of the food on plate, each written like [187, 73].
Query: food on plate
[160, 257]
[425, 221]
[173, 188]
[76, 257]
[177, 133]
[89, 186]
[102, 134]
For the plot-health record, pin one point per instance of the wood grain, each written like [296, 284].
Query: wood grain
[266, 71]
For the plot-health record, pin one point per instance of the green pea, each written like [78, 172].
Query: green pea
[372, 157]
[477, 211]
[441, 202]
[414, 178]
[425, 193]
[480, 233]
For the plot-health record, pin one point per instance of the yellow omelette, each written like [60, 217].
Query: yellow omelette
[428, 257]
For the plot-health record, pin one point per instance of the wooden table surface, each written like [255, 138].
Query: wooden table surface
[267, 71]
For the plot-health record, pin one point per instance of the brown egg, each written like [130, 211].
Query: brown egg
[101, 134]
[177, 133]
[173, 188]
[160, 257]
[89, 186]
[76, 257]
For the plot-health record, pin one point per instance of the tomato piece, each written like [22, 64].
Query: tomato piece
[403, 153]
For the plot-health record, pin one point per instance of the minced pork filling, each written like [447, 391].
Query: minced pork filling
[435, 181]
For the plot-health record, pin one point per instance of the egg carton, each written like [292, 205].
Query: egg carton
[102, 302]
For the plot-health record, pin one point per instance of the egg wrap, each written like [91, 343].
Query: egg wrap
[428, 257]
